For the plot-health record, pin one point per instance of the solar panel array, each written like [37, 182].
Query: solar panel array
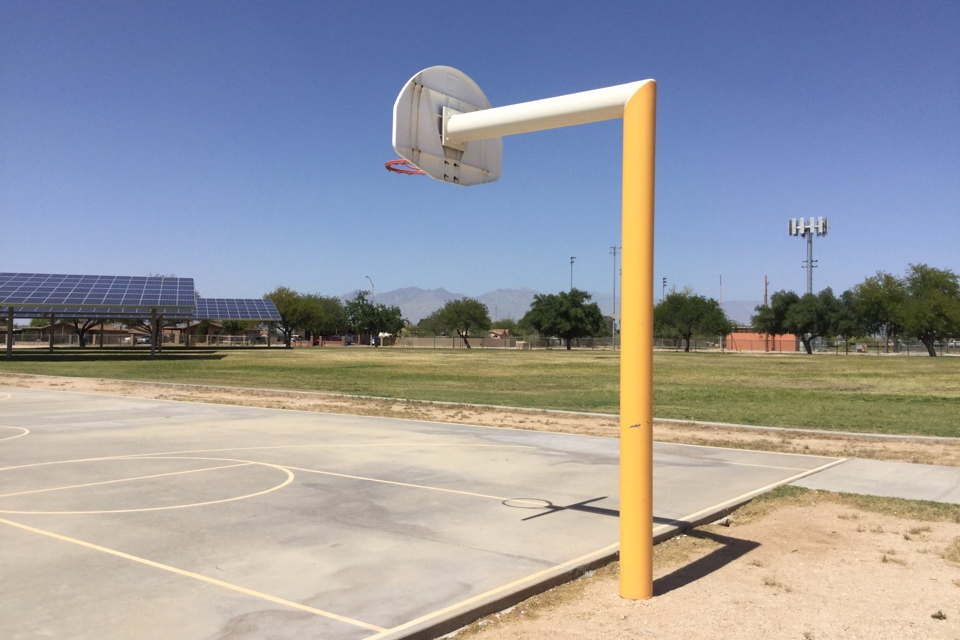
[236, 309]
[38, 295]
[82, 292]
[112, 313]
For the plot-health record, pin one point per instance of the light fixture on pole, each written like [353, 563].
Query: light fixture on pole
[803, 229]
[572, 258]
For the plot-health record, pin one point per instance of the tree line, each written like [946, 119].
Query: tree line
[319, 315]
[567, 316]
[924, 304]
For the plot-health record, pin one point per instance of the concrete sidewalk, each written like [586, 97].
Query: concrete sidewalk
[889, 480]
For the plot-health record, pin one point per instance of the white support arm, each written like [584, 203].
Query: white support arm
[550, 113]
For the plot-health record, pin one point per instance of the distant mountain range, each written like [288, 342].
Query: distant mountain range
[417, 303]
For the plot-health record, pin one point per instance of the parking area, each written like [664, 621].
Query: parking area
[124, 517]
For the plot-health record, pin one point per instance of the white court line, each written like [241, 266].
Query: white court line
[339, 446]
[23, 431]
[284, 470]
[538, 503]
[607, 551]
[102, 482]
[743, 497]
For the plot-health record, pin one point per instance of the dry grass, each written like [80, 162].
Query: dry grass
[863, 394]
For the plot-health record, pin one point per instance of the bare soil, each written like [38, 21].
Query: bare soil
[811, 567]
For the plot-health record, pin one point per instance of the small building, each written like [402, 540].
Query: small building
[746, 339]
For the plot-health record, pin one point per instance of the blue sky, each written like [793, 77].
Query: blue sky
[242, 143]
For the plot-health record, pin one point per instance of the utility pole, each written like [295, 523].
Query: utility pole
[663, 290]
[572, 258]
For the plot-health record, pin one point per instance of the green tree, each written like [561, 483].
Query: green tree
[322, 315]
[771, 319]
[931, 308]
[812, 316]
[879, 302]
[390, 319]
[461, 317]
[82, 325]
[566, 315]
[290, 306]
[849, 323]
[366, 317]
[685, 315]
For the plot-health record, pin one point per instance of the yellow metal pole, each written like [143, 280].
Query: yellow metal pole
[636, 348]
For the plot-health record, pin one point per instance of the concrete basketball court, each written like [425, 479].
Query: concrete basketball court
[130, 518]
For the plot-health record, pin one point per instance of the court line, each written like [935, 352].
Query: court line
[530, 580]
[743, 497]
[337, 446]
[505, 589]
[759, 466]
[288, 473]
[418, 486]
[196, 576]
[24, 430]
[102, 482]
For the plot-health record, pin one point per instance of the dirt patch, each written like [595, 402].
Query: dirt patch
[813, 572]
[814, 568]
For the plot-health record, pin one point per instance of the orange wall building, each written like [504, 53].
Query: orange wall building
[746, 339]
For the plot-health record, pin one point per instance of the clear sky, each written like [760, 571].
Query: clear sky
[243, 143]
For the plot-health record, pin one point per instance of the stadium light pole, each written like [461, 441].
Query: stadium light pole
[572, 258]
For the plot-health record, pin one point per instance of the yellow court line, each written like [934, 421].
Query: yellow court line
[418, 486]
[102, 482]
[197, 576]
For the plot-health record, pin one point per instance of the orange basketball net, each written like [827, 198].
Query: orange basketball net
[401, 165]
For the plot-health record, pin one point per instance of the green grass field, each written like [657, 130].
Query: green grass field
[871, 394]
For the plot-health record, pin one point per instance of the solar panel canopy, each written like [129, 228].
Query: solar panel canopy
[53, 292]
[38, 295]
[236, 309]
[112, 313]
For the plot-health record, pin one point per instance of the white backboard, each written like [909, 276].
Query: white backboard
[418, 124]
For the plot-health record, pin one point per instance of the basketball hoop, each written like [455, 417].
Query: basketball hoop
[400, 165]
